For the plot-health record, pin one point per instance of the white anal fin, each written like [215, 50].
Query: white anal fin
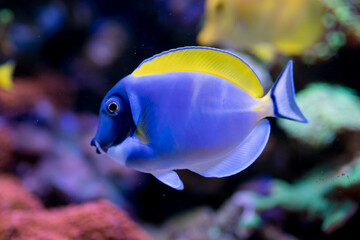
[242, 157]
[171, 179]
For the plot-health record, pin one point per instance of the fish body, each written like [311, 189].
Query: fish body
[180, 125]
[192, 108]
[263, 27]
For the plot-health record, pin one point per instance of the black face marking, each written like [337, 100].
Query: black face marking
[115, 120]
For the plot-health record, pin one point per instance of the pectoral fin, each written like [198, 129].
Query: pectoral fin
[242, 157]
[132, 152]
[171, 179]
[135, 154]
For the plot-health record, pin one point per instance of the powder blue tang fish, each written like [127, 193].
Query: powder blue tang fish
[195, 108]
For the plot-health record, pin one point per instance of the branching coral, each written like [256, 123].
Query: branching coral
[341, 22]
[313, 195]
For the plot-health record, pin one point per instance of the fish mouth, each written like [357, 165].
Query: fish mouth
[99, 149]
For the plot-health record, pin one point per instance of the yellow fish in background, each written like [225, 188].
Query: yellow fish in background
[263, 27]
[6, 74]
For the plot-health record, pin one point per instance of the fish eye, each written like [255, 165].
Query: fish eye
[113, 106]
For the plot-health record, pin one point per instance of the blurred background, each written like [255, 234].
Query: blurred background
[58, 58]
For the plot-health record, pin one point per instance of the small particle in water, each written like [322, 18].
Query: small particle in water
[164, 195]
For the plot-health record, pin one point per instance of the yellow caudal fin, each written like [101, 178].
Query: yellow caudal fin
[6, 74]
[206, 60]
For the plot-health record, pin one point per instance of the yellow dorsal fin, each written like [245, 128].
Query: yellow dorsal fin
[206, 60]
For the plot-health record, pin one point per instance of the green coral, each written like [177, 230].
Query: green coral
[329, 108]
[346, 14]
[311, 195]
[340, 20]
[6, 16]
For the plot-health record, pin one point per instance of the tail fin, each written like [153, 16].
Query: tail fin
[283, 96]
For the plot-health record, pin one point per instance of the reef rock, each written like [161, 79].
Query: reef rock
[90, 221]
[22, 216]
[14, 197]
[48, 87]
[7, 148]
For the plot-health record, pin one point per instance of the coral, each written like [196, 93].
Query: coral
[191, 225]
[53, 170]
[341, 23]
[326, 195]
[316, 194]
[206, 224]
[14, 197]
[56, 171]
[50, 144]
[45, 87]
[96, 220]
[12, 103]
[346, 14]
[7, 148]
[324, 106]
[22, 216]
[347, 182]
